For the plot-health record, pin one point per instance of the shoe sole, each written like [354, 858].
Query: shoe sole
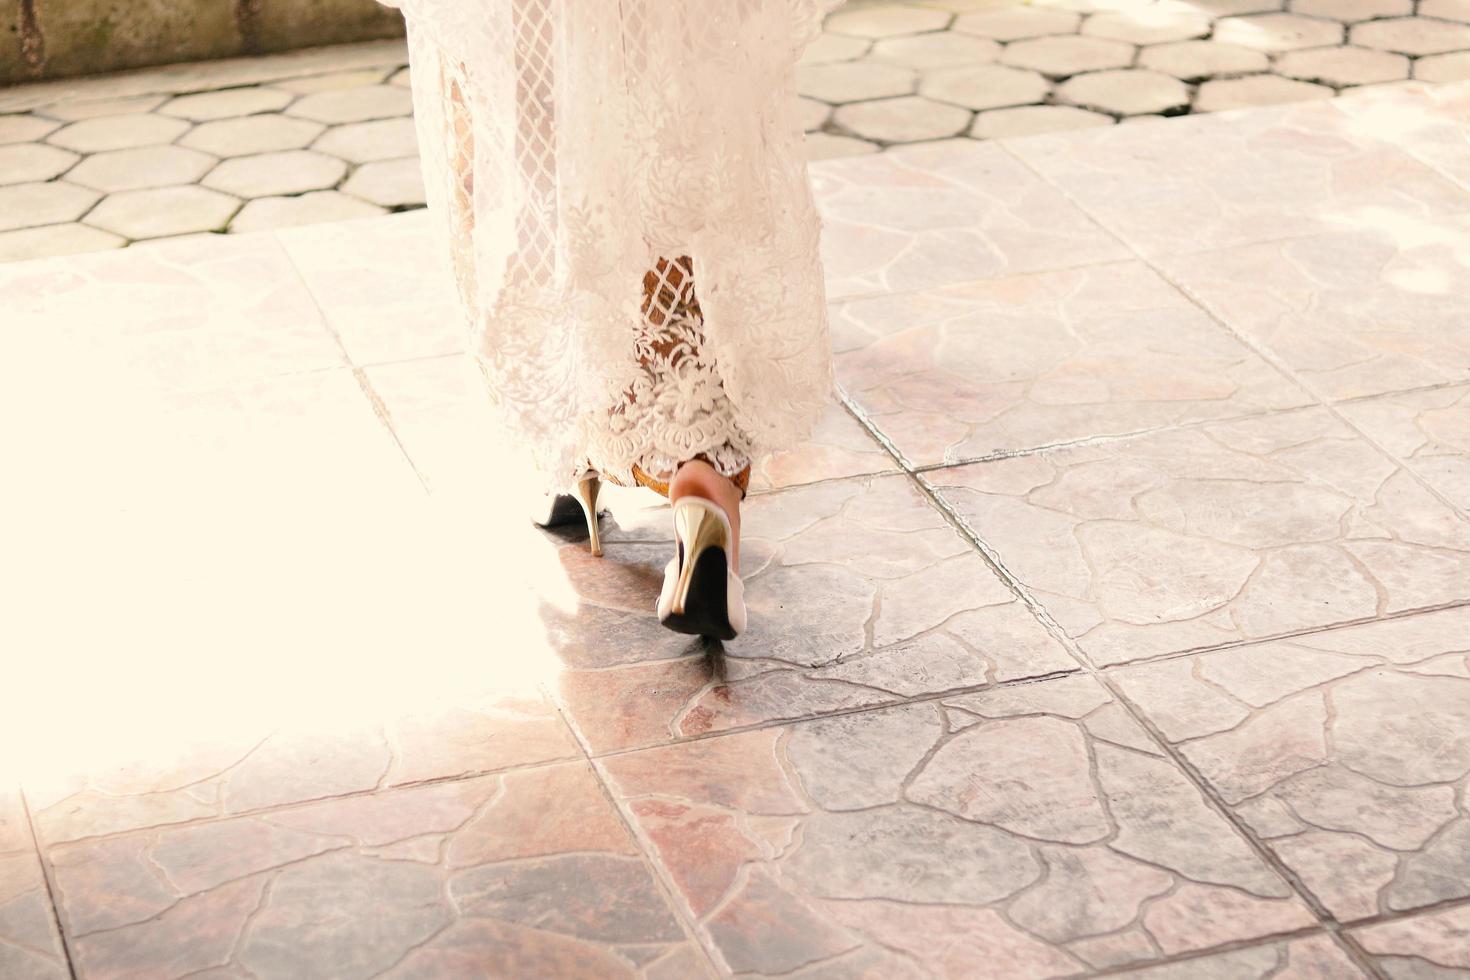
[706, 610]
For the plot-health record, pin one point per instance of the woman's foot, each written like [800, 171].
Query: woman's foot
[697, 478]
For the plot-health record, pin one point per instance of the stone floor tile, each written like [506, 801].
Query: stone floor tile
[1022, 362]
[50, 203]
[838, 447]
[383, 285]
[1277, 32]
[30, 948]
[204, 106]
[938, 50]
[904, 832]
[1032, 119]
[353, 104]
[1453, 67]
[930, 215]
[252, 134]
[142, 167]
[268, 174]
[886, 21]
[828, 48]
[984, 86]
[1258, 527]
[19, 128]
[1125, 92]
[857, 563]
[1343, 750]
[830, 146]
[1427, 120]
[264, 213]
[1259, 176]
[388, 183]
[1015, 23]
[1068, 54]
[49, 240]
[1195, 60]
[1348, 313]
[334, 81]
[1352, 11]
[1428, 430]
[901, 120]
[1260, 90]
[22, 163]
[403, 78]
[1446, 9]
[1412, 35]
[1311, 956]
[383, 139]
[163, 211]
[852, 81]
[118, 133]
[810, 113]
[1148, 25]
[1344, 66]
[77, 109]
[479, 875]
[1433, 945]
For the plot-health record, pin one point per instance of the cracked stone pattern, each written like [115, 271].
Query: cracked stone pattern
[524, 871]
[1021, 362]
[1258, 527]
[1347, 751]
[30, 947]
[1429, 431]
[850, 571]
[921, 839]
[1434, 946]
[1312, 957]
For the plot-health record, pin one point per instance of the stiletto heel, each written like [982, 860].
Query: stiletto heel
[588, 487]
[701, 595]
[563, 508]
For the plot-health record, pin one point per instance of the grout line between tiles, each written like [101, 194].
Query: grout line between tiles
[52, 891]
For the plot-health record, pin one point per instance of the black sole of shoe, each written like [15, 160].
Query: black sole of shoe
[564, 510]
[706, 610]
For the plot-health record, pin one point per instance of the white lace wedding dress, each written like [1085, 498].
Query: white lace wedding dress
[622, 187]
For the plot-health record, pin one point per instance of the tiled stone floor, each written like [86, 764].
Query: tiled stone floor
[1115, 620]
[317, 136]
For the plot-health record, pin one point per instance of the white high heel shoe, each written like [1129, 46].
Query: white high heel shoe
[701, 595]
[562, 508]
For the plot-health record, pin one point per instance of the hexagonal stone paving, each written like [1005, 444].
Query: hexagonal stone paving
[1014, 23]
[1067, 55]
[389, 183]
[1352, 11]
[163, 211]
[937, 50]
[142, 167]
[252, 134]
[1446, 9]
[383, 139]
[269, 174]
[1128, 92]
[847, 81]
[1412, 35]
[304, 209]
[118, 133]
[828, 48]
[985, 86]
[827, 146]
[1032, 119]
[1194, 60]
[1454, 67]
[205, 106]
[48, 240]
[1344, 66]
[887, 21]
[1148, 26]
[354, 104]
[24, 128]
[93, 108]
[1277, 32]
[24, 162]
[903, 120]
[1256, 90]
[53, 202]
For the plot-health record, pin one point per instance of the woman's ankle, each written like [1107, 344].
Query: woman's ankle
[696, 478]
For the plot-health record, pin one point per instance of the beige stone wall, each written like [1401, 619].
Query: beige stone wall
[42, 39]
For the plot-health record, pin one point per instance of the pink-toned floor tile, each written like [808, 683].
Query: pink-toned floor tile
[859, 593]
[1347, 751]
[1034, 829]
[1436, 945]
[1220, 533]
[1428, 430]
[209, 777]
[1224, 179]
[1026, 361]
[925, 216]
[1430, 121]
[1360, 311]
[30, 947]
[383, 285]
[528, 872]
[1309, 958]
